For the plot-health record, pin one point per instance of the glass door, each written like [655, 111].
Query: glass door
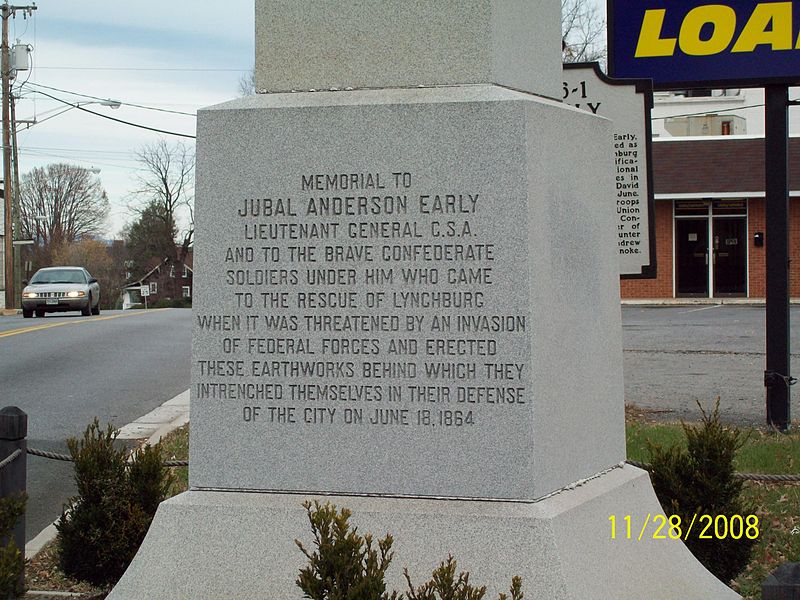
[730, 256]
[691, 257]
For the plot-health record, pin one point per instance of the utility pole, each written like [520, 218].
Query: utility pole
[15, 208]
[9, 198]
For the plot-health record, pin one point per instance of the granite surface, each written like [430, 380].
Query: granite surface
[211, 545]
[307, 44]
[404, 292]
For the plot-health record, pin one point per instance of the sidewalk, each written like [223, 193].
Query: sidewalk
[152, 427]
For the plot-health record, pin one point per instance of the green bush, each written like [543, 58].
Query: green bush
[172, 303]
[102, 527]
[346, 565]
[444, 585]
[699, 480]
[12, 560]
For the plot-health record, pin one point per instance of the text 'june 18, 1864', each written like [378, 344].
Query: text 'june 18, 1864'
[366, 299]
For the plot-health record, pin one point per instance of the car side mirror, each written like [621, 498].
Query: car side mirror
[92, 280]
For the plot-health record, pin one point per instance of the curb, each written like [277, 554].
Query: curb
[154, 425]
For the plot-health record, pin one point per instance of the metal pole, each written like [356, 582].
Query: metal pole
[8, 259]
[777, 377]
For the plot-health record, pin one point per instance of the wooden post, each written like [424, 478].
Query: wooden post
[13, 477]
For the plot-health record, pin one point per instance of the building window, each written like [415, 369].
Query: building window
[172, 270]
[187, 291]
[153, 288]
[185, 271]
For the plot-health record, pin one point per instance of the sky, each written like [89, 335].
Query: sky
[173, 55]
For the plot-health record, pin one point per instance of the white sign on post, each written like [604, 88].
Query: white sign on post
[145, 291]
[627, 103]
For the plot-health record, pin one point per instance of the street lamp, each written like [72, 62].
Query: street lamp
[112, 104]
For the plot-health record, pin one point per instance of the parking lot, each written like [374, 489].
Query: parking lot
[677, 355]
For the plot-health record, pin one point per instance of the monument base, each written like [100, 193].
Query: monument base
[237, 545]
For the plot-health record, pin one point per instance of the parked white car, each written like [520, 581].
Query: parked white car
[60, 289]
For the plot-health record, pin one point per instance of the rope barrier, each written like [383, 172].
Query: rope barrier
[67, 458]
[50, 455]
[10, 458]
[764, 477]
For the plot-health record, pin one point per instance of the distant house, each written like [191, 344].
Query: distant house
[166, 280]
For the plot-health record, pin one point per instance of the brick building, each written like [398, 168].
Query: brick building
[709, 219]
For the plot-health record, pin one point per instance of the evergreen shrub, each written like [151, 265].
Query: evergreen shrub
[102, 527]
[348, 566]
[12, 559]
[698, 481]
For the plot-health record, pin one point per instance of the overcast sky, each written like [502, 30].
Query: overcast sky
[176, 55]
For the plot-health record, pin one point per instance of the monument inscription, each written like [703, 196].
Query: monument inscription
[385, 364]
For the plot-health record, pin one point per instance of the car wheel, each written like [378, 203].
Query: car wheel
[39, 313]
[87, 310]
[27, 313]
[96, 309]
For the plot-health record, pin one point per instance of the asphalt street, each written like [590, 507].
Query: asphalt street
[64, 369]
[675, 356]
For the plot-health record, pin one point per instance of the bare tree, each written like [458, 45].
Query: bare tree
[247, 83]
[166, 187]
[168, 182]
[98, 259]
[60, 204]
[583, 31]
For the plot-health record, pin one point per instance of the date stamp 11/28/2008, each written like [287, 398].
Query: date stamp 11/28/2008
[705, 527]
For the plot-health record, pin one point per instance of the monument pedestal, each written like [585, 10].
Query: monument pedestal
[467, 232]
[236, 545]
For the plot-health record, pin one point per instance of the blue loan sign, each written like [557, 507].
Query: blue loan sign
[697, 43]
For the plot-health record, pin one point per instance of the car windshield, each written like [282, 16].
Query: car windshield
[59, 276]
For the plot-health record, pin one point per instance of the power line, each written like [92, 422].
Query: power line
[110, 118]
[177, 112]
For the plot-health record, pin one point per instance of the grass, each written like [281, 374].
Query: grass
[175, 446]
[764, 452]
[776, 505]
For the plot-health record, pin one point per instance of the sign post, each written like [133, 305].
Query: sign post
[145, 292]
[683, 44]
[776, 375]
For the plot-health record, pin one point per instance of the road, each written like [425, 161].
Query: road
[64, 369]
[676, 355]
